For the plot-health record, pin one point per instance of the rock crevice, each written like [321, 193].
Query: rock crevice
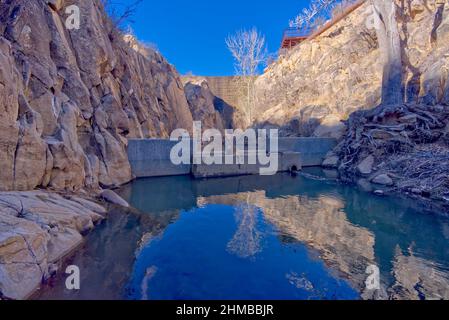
[70, 99]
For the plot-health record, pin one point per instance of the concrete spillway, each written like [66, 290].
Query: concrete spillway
[151, 158]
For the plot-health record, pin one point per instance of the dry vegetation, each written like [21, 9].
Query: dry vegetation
[410, 143]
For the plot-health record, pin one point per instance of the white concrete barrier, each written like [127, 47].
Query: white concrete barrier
[151, 158]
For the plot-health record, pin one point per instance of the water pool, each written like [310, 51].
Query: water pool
[279, 237]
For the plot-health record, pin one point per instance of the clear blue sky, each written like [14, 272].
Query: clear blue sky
[191, 34]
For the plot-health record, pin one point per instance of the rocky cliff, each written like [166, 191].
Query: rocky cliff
[202, 104]
[69, 99]
[323, 80]
[37, 229]
[221, 95]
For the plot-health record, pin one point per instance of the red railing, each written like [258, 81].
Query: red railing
[294, 36]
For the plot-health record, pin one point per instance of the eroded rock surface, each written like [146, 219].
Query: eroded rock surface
[216, 101]
[202, 104]
[325, 79]
[69, 99]
[36, 230]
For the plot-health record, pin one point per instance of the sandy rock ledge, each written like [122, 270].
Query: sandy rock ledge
[37, 229]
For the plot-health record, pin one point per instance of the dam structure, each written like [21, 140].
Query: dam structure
[151, 158]
[228, 89]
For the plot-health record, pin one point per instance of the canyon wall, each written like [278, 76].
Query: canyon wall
[70, 99]
[322, 81]
[225, 95]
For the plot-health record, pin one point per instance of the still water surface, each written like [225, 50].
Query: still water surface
[279, 237]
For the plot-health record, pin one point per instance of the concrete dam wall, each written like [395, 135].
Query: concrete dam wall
[226, 88]
[229, 89]
[151, 158]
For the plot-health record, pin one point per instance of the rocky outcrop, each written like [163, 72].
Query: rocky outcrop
[37, 229]
[322, 81]
[202, 104]
[222, 95]
[112, 197]
[69, 99]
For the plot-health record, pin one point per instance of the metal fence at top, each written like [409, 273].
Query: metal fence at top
[296, 33]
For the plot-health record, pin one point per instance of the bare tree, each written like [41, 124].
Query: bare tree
[340, 7]
[318, 22]
[250, 53]
[317, 8]
[121, 15]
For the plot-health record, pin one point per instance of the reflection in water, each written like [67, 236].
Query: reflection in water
[417, 278]
[199, 264]
[318, 222]
[299, 282]
[149, 274]
[246, 241]
[261, 238]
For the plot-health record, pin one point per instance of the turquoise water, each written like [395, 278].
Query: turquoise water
[280, 237]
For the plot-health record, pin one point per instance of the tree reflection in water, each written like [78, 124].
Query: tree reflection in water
[246, 241]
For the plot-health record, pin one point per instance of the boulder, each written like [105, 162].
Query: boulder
[330, 127]
[383, 179]
[366, 166]
[114, 198]
[379, 192]
[331, 162]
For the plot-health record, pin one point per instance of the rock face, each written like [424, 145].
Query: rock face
[366, 166]
[202, 104]
[112, 197]
[69, 99]
[36, 230]
[331, 162]
[326, 79]
[383, 179]
[216, 100]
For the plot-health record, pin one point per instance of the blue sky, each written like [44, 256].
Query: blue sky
[191, 34]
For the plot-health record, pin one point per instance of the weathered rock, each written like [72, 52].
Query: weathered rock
[341, 69]
[36, 230]
[226, 95]
[10, 82]
[69, 99]
[330, 127]
[201, 102]
[331, 162]
[112, 197]
[383, 179]
[366, 166]
[23, 256]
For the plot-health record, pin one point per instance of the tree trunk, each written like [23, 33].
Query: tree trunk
[390, 48]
